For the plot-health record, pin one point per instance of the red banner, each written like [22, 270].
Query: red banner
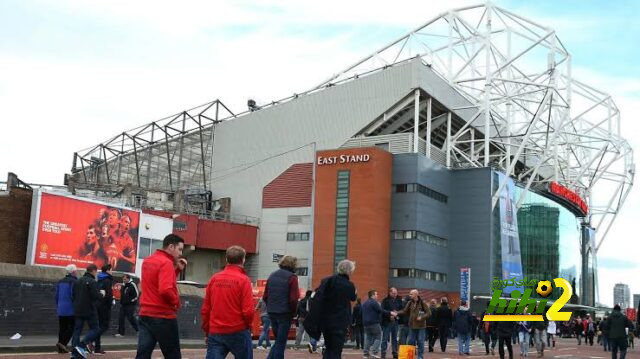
[73, 231]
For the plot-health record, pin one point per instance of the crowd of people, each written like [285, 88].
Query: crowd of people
[326, 316]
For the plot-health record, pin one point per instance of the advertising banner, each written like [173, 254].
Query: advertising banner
[78, 231]
[465, 285]
[509, 239]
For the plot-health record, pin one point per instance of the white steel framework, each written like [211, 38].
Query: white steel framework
[532, 119]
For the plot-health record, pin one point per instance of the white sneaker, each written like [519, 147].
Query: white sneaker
[118, 335]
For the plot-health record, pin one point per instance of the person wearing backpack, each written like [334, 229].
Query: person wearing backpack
[330, 310]
[301, 312]
[105, 286]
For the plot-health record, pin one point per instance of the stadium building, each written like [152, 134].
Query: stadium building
[465, 143]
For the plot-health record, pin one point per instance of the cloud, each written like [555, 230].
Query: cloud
[616, 263]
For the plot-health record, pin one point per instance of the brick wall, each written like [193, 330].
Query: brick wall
[15, 212]
[27, 303]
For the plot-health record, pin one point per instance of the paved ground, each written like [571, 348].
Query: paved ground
[566, 349]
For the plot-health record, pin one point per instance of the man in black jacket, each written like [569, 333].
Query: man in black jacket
[128, 299]
[391, 303]
[618, 323]
[105, 287]
[432, 325]
[504, 331]
[445, 317]
[339, 294]
[85, 301]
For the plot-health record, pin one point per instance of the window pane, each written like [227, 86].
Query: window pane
[145, 248]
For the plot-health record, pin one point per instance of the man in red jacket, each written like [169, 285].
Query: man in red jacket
[160, 301]
[227, 327]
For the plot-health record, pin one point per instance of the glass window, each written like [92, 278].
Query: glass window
[401, 188]
[342, 217]
[302, 271]
[155, 245]
[145, 248]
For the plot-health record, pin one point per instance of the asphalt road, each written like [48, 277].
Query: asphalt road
[566, 349]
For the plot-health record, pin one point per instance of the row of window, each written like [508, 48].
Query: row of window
[416, 187]
[418, 274]
[342, 217]
[297, 236]
[421, 236]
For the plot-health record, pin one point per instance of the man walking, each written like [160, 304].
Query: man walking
[261, 308]
[105, 287]
[463, 325]
[445, 317]
[227, 310]
[391, 303]
[64, 306]
[128, 300]
[339, 292]
[539, 332]
[85, 301]
[432, 325]
[505, 331]
[281, 295]
[301, 313]
[160, 301]
[417, 311]
[356, 324]
[372, 314]
[618, 322]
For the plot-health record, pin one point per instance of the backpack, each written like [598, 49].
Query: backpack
[315, 309]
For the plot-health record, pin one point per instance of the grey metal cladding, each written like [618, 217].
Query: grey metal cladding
[471, 226]
[416, 212]
[327, 118]
[442, 92]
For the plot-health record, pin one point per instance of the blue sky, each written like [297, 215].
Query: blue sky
[74, 73]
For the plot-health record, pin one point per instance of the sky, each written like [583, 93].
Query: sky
[74, 73]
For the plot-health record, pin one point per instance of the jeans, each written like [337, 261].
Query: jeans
[300, 332]
[65, 329]
[417, 338]
[551, 339]
[372, 337]
[605, 342]
[104, 319]
[524, 343]
[403, 331]
[618, 343]
[502, 342]
[539, 340]
[280, 327]
[264, 336]
[92, 334]
[390, 330]
[94, 329]
[127, 311]
[579, 337]
[333, 343]
[239, 344]
[162, 331]
[464, 341]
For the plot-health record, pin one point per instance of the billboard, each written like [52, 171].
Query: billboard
[70, 230]
[509, 239]
[465, 285]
